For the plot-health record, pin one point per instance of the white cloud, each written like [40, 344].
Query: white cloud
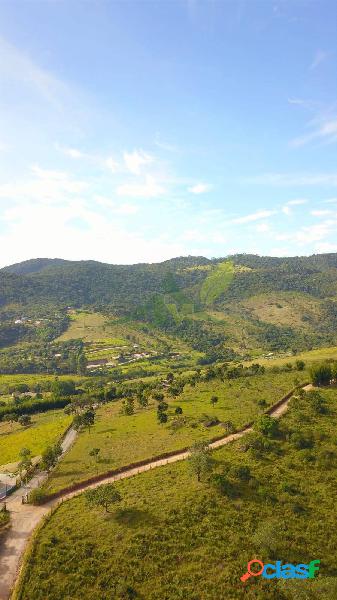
[325, 247]
[297, 202]
[306, 235]
[199, 188]
[286, 210]
[15, 65]
[319, 57]
[291, 179]
[325, 131]
[136, 160]
[263, 227]
[321, 213]
[51, 231]
[261, 214]
[73, 153]
[111, 164]
[45, 186]
[330, 201]
[115, 207]
[150, 188]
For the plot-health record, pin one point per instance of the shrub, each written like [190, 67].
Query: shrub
[37, 497]
[267, 425]
[321, 374]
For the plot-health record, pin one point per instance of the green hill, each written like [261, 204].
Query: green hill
[243, 302]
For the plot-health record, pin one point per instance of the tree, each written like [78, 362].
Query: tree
[129, 406]
[61, 388]
[170, 377]
[94, 453]
[26, 460]
[81, 364]
[266, 425]
[214, 400]
[103, 496]
[77, 423]
[162, 406]
[229, 426]
[88, 419]
[321, 374]
[178, 410]
[300, 364]
[10, 418]
[142, 400]
[50, 456]
[317, 402]
[25, 420]
[162, 417]
[200, 460]
[158, 396]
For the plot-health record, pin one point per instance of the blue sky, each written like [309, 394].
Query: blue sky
[138, 130]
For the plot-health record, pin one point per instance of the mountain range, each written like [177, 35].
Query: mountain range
[248, 301]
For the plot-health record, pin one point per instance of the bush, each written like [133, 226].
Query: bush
[4, 520]
[37, 497]
[267, 425]
[321, 374]
[300, 441]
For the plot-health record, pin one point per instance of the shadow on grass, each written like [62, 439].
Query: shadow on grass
[133, 517]
[111, 430]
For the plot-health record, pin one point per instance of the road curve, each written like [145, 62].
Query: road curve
[25, 517]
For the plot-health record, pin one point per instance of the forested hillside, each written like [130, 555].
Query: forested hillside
[219, 306]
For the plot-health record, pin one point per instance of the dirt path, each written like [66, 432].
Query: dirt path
[25, 517]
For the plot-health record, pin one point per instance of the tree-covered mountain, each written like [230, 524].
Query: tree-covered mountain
[242, 301]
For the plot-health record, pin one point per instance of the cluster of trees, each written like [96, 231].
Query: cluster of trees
[63, 358]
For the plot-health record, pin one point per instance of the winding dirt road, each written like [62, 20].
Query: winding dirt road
[25, 517]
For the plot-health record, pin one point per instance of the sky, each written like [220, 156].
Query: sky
[136, 131]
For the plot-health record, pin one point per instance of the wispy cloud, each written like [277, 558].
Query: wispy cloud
[136, 160]
[325, 131]
[320, 56]
[321, 213]
[15, 65]
[73, 153]
[43, 186]
[291, 179]
[150, 188]
[287, 208]
[199, 188]
[260, 214]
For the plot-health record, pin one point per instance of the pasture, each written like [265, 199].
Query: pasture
[125, 439]
[174, 538]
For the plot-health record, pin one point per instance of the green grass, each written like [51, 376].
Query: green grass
[217, 282]
[124, 439]
[311, 356]
[176, 539]
[33, 379]
[45, 430]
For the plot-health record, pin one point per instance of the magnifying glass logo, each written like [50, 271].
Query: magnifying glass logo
[251, 573]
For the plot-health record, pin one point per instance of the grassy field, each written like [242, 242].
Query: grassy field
[286, 308]
[33, 379]
[91, 327]
[310, 357]
[217, 282]
[124, 439]
[97, 329]
[45, 430]
[176, 539]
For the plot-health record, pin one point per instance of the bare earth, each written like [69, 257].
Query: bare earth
[25, 517]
